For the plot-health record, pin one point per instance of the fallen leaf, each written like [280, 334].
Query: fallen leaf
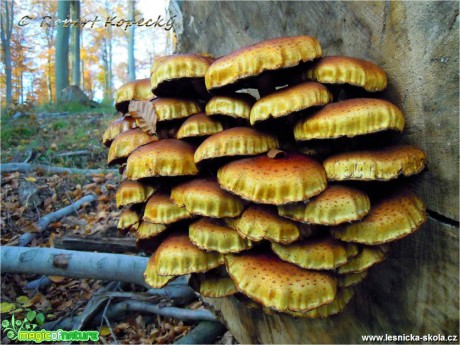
[22, 299]
[31, 179]
[31, 228]
[7, 307]
[104, 331]
[56, 279]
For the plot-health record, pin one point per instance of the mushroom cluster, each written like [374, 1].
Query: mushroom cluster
[270, 174]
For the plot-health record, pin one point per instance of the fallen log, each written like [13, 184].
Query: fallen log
[206, 332]
[75, 264]
[74, 153]
[104, 244]
[27, 167]
[43, 223]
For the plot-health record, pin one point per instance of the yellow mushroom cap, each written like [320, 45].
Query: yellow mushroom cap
[133, 192]
[369, 256]
[175, 108]
[261, 222]
[383, 164]
[211, 234]
[289, 100]
[336, 205]
[212, 285]
[392, 218]
[268, 55]
[348, 70]
[120, 125]
[236, 106]
[177, 255]
[350, 279]
[129, 218]
[148, 230]
[278, 284]
[199, 125]
[342, 298]
[350, 118]
[126, 142]
[178, 66]
[160, 209]
[237, 141]
[205, 197]
[138, 89]
[323, 253]
[278, 180]
[168, 157]
[152, 278]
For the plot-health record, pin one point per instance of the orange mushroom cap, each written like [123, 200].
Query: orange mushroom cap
[160, 209]
[120, 125]
[133, 192]
[126, 142]
[199, 125]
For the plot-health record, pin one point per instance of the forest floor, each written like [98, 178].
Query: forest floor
[69, 140]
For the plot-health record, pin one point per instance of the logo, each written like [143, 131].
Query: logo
[25, 330]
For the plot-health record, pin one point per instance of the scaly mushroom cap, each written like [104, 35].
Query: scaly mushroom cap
[289, 100]
[177, 255]
[279, 285]
[342, 298]
[236, 106]
[152, 278]
[348, 70]
[211, 234]
[199, 125]
[143, 90]
[126, 142]
[336, 205]
[383, 164]
[148, 230]
[261, 222]
[175, 108]
[168, 157]
[237, 141]
[351, 279]
[273, 54]
[323, 253]
[133, 192]
[212, 285]
[206, 198]
[369, 256]
[160, 209]
[392, 218]
[129, 219]
[120, 125]
[350, 118]
[174, 67]
[278, 180]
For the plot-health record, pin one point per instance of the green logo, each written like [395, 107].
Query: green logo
[24, 330]
[13, 327]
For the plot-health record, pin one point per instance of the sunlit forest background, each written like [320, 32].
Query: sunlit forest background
[103, 51]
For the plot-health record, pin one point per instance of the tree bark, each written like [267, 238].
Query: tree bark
[61, 65]
[105, 244]
[6, 30]
[43, 223]
[26, 167]
[75, 40]
[70, 263]
[131, 66]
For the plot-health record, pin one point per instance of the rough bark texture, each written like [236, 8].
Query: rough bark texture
[417, 43]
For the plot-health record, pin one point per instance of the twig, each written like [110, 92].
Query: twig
[205, 332]
[26, 167]
[71, 202]
[43, 223]
[31, 153]
[74, 153]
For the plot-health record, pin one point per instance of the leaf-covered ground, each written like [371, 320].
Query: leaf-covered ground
[27, 197]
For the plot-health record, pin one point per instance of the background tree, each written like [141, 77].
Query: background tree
[131, 67]
[7, 15]
[62, 50]
[75, 43]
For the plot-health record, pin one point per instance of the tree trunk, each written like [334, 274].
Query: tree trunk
[6, 30]
[61, 66]
[70, 263]
[131, 67]
[75, 40]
